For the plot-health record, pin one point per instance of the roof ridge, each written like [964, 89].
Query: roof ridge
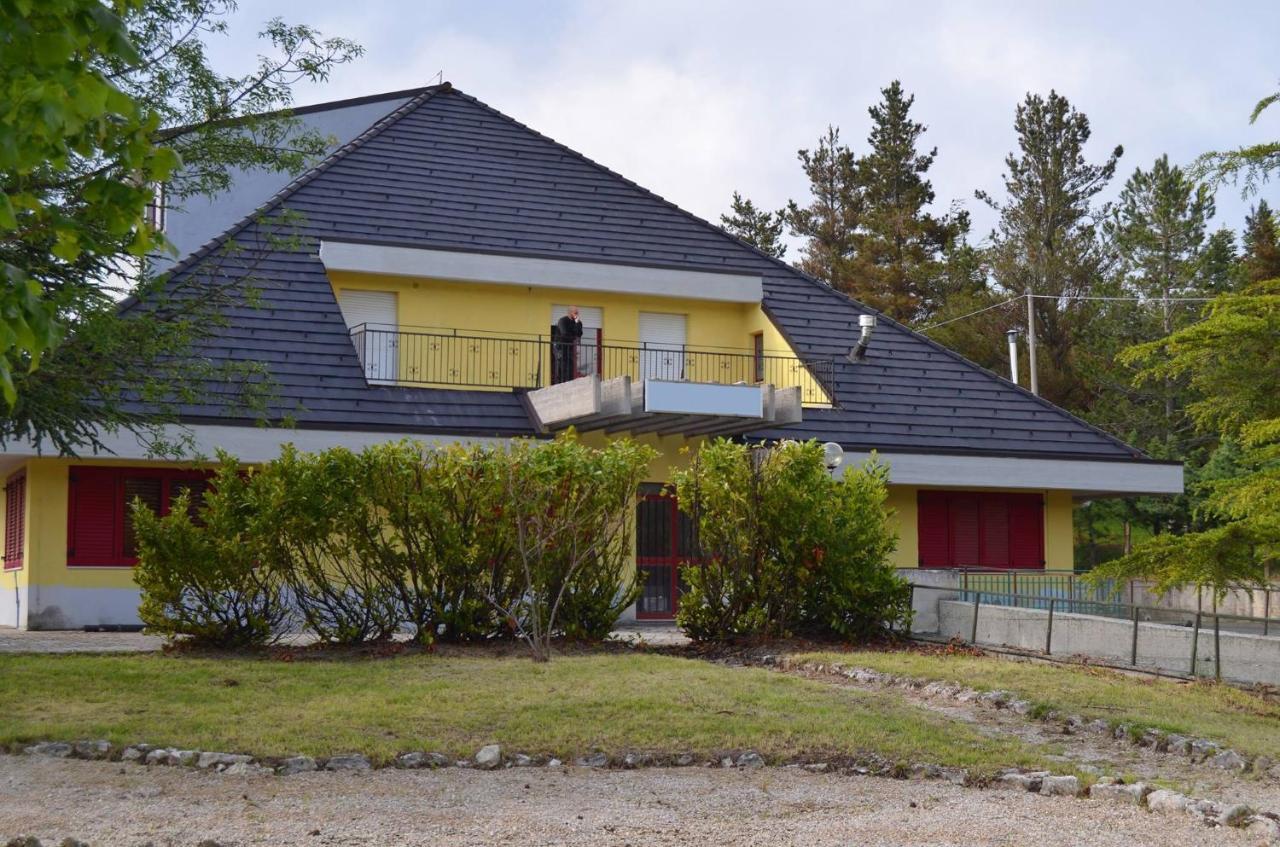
[301, 180]
[812, 280]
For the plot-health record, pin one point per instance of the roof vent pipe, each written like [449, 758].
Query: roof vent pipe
[1012, 335]
[868, 324]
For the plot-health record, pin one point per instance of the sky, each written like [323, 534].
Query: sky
[695, 100]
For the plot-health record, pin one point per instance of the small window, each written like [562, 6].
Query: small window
[757, 356]
[15, 509]
[155, 213]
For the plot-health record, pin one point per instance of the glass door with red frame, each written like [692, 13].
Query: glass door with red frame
[664, 541]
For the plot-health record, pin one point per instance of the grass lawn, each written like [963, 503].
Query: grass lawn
[1245, 721]
[614, 702]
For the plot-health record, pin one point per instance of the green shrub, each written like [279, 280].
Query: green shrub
[569, 508]
[308, 511]
[200, 577]
[431, 533]
[783, 548]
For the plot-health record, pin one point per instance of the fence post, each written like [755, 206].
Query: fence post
[1266, 611]
[1217, 649]
[1133, 657]
[973, 639]
[1048, 634]
[1195, 643]
[911, 607]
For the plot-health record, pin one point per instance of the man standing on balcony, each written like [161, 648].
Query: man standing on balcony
[565, 351]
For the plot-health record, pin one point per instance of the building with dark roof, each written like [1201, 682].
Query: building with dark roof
[430, 258]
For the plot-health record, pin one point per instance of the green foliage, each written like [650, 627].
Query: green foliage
[569, 509]
[101, 102]
[76, 154]
[1232, 363]
[199, 570]
[458, 542]
[783, 548]
[433, 532]
[1249, 166]
[761, 229]
[306, 512]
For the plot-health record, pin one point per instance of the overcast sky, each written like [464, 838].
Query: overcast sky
[693, 100]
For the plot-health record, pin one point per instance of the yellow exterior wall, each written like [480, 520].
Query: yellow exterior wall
[902, 500]
[438, 307]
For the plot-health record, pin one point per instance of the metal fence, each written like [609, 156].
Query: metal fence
[1243, 648]
[1075, 592]
[478, 360]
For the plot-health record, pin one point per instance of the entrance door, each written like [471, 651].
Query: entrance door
[662, 337]
[371, 317]
[664, 541]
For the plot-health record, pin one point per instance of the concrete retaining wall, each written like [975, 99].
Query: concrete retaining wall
[1245, 658]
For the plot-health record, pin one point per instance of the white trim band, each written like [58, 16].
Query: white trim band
[1082, 476]
[541, 273]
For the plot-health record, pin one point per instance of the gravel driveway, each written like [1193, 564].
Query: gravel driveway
[113, 804]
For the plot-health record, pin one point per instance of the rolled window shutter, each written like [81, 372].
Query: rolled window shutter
[15, 502]
[93, 517]
[965, 549]
[1026, 530]
[994, 510]
[933, 536]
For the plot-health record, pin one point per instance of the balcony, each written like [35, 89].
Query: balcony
[666, 388]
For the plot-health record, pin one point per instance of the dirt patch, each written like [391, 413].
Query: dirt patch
[108, 803]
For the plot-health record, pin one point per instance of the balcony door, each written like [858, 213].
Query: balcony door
[588, 360]
[662, 338]
[372, 321]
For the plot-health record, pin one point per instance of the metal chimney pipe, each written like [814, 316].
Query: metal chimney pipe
[1012, 335]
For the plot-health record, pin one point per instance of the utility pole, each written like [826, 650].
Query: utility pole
[1031, 343]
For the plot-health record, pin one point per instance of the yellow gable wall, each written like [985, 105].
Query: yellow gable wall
[525, 311]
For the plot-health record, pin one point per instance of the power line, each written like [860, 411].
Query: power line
[1070, 297]
[1121, 299]
[971, 314]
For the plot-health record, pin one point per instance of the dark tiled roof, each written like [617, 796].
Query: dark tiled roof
[447, 171]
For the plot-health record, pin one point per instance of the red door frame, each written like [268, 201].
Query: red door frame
[670, 560]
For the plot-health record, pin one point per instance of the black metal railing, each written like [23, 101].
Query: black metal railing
[479, 360]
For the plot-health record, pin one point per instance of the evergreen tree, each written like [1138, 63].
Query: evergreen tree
[1046, 242]
[1221, 269]
[760, 229]
[900, 248]
[829, 220]
[1261, 244]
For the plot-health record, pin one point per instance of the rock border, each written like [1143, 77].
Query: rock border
[1198, 750]
[1264, 825]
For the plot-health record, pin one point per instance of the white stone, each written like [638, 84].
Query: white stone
[1060, 786]
[1166, 802]
[209, 760]
[1264, 829]
[489, 757]
[93, 749]
[1235, 815]
[1116, 793]
[353, 762]
[54, 749]
[246, 769]
[296, 764]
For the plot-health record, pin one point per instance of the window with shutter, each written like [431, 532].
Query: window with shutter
[15, 519]
[980, 529]
[100, 530]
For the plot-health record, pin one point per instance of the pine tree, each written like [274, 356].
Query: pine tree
[1046, 242]
[829, 220]
[1221, 269]
[899, 250]
[760, 229]
[1261, 258]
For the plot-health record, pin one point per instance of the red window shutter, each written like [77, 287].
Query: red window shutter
[94, 517]
[932, 532]
[1026, 531]
[994, 509]
[965, 529]
[15, 513]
